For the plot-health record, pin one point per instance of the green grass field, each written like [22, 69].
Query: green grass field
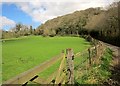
[21, 54]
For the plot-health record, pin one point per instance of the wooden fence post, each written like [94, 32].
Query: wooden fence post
[101, 48]
[96, 48]
[70, 66]
[89, 57]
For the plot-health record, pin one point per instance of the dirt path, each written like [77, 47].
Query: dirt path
[114, 80]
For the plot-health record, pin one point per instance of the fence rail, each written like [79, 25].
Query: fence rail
[65, 72]
[28, 75]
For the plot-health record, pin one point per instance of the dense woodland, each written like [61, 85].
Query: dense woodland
[102, 24]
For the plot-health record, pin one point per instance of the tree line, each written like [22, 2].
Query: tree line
[19, 30]
[102, 24]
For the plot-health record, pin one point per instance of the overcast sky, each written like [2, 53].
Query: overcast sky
[35, 12]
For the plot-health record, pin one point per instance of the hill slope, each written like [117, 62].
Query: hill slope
[70, 23]
[97, 22]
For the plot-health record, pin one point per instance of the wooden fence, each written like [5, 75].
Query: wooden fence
[65, 72]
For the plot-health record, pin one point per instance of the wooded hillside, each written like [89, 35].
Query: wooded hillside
[100, 23]
[103, 24]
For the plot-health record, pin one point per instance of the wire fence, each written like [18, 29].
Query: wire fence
[70, 65]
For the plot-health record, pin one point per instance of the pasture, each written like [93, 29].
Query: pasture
[21, 54]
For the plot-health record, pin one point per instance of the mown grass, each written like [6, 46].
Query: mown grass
[21, 54]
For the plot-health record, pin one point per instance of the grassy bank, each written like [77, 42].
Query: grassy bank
[97, 73]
